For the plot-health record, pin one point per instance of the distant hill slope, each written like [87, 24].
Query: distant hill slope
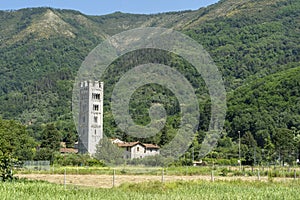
[250, 37]
[41, 50]
[268, 102]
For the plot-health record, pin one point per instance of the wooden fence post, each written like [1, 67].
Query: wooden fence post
[65, 178]
[114, 178]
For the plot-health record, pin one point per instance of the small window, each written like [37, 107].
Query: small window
[138, 149]
[95, 96]
[95, 132]
[96, 107]
[95, 119]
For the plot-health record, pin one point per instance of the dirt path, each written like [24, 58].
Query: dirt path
[106, 181]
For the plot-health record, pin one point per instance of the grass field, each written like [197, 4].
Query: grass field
[155, 190]
[177, 171]
[146, 183]
[106, 181]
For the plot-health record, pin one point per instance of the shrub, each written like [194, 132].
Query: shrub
[77, 160]
[6, 166]
[224, 172]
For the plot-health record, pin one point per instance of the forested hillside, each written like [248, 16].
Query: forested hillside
[255, 44]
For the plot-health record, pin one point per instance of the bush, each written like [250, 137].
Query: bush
[77, 160]
[222, 162]
[157, 160]
[238, 173]
[224, 172]
[6, 166]
[94, 162]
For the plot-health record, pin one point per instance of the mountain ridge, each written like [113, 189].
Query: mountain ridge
[249, 40]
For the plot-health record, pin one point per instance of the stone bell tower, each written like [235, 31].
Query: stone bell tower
[90, 116]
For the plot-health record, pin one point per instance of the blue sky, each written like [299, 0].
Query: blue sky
[100, 7]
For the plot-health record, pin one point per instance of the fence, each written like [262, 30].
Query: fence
[115, 177]
[39, 165]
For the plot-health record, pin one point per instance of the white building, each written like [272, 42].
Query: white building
[137, 149]
[90, 116]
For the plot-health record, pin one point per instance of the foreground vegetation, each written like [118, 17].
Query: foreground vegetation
[221, 171]
[255, 44]
[155, 190]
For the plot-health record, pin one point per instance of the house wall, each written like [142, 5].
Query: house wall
[151, 152]
[137, 151]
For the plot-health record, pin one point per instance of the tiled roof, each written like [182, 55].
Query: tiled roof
[151, 146]
[127, 144]
[68, 150]
[131, 144]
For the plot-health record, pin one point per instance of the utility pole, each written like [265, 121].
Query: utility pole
[193, 155]
[254, 148]
[240, 162]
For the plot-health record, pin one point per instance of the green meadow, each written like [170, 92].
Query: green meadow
[24, 189]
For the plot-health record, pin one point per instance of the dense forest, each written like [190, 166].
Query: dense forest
[254, 43]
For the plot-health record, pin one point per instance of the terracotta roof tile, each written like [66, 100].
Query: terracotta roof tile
[68, 150]
[131, 144]
[127, 144]
[151, 146]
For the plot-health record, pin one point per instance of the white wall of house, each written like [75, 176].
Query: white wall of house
[137, 151]
[152, 152]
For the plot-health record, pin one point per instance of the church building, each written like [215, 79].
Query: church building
[90, 125]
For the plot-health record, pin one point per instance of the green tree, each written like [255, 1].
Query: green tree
[50, 143]
[108, 152]
[67, 131]
[15, 140]
[50, 138]
[249, 149]
[284, 142]
[6, 166]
